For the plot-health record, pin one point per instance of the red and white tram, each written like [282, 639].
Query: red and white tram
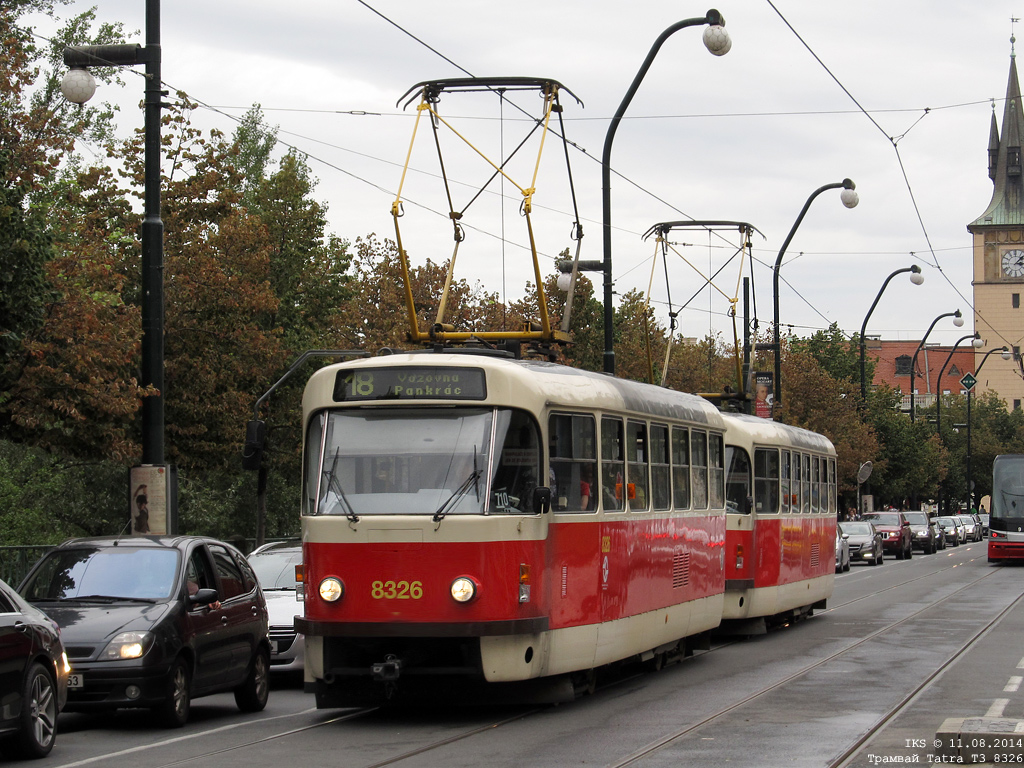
[520, 523]
[781, 522]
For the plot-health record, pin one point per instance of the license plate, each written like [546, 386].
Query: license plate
[76, 680]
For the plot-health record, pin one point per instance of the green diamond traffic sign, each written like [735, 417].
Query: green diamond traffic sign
[968, 381]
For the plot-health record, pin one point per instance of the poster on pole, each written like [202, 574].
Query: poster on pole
[764, 394]
[152, 499]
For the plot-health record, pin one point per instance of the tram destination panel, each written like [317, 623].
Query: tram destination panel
[410, 383]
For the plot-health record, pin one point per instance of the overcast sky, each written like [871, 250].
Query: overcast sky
[744, 137]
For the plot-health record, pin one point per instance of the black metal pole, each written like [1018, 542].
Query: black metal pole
[863, 328]
[152, 253]
[913, 362]
[777, 396]
[713, 17]
[938, 397]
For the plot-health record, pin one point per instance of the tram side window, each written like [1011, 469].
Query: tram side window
[699, 468]
[785, 481]
[519, 464]
[680, 468]
[766, 480]
[637, 456]
[612, 464]
[661, 471]
[805, 493]
[815, 485]
[314, 434]
[573, 461]
[737, 480]
[716, 471]
[796, 484]
[832, 504]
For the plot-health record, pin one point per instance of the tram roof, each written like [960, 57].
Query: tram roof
[541, 383]
[760, 430]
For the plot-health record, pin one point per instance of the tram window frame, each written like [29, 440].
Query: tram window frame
[698, 469]
[613, 465]
[815, 485]
[661, 468]
[785, 481]
[766, 480]
[572, 457]
[832, 489]
[796, 483]
[738, 480]
[638, 466]
[716, 471]
[805, 500]
[680, 438]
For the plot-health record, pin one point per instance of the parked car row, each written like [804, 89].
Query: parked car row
[143, 622]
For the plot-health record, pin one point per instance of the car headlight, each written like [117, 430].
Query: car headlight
[127, 645]
[463, 589]
[331, 589]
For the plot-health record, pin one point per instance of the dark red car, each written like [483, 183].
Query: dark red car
[897, 538]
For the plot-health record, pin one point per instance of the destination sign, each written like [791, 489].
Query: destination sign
[419, 382]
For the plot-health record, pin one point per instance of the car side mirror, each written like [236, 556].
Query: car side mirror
[203, 597]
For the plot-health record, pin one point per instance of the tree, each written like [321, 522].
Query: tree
[838, 355]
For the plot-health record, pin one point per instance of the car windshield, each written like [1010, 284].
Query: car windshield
[885, 518]
[856, 528]
[125, 572]
[275, 568]
[917, 518]
[946, 521]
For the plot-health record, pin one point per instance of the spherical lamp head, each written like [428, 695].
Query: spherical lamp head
[563, 281]
[978, 343]
[1006, 354]
[958, 319]
[717, 40]
[849, 197]
[915, 275]
[78, 85]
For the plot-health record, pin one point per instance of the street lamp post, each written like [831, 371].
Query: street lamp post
[716, 39]
[78, 86]
[977, 342]
[1006, 355]
[958, 321]
[916, 278]
[850, 200]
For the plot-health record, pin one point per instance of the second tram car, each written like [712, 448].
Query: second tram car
[1006, 517]
[781, 522]
[515, 522]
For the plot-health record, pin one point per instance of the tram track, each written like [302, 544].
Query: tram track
[848, 754]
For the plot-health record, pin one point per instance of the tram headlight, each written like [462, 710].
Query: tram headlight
[331, 589]
[463, 589]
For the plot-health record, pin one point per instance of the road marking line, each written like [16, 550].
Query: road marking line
[1013, 684]
[996, 710]
[1020, 664]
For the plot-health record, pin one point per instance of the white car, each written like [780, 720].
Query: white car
[274, 565]
[842, 551]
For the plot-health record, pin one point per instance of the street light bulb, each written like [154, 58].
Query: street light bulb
[958, 321]
[916, 278]
[978, 343]
[716, 40]
[563, 282]
[849, 197]
[1005, 354]
[78, 85]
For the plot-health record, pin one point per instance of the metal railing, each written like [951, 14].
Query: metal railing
[16, 562]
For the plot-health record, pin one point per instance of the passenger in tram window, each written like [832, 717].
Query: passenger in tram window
[586, 476]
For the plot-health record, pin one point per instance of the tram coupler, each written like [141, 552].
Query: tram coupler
[387, 671]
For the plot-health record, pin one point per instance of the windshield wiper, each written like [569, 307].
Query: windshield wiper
[459, 492]
[334, 484]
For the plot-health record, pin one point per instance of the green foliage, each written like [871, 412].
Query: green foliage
[837, 355]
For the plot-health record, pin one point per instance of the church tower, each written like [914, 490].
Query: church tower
[999, 254]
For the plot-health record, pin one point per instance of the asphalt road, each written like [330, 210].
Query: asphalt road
[901, 647]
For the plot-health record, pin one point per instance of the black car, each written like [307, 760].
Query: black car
[155, 622]
[924, 533]
[33, 677]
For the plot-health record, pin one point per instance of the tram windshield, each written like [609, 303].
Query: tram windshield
[420, 461]
[1008, 487]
